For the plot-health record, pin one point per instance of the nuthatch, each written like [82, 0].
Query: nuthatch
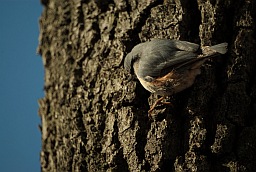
[166, 67]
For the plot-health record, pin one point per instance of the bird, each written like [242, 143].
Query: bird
[166, 67]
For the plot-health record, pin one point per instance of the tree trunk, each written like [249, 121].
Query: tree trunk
[95, 119]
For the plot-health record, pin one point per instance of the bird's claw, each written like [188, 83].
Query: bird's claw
[156, 103]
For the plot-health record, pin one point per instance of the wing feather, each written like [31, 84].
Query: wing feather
[158, 57]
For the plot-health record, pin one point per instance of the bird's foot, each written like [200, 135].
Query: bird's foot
[158, 101]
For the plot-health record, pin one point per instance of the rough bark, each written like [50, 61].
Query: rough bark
[94, 119]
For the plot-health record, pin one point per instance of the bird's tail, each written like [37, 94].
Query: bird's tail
[219, 48]
[208, 52]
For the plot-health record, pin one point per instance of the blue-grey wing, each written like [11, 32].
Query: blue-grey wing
[158, 57]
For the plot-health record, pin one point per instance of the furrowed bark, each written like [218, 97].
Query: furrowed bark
[94, 119]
